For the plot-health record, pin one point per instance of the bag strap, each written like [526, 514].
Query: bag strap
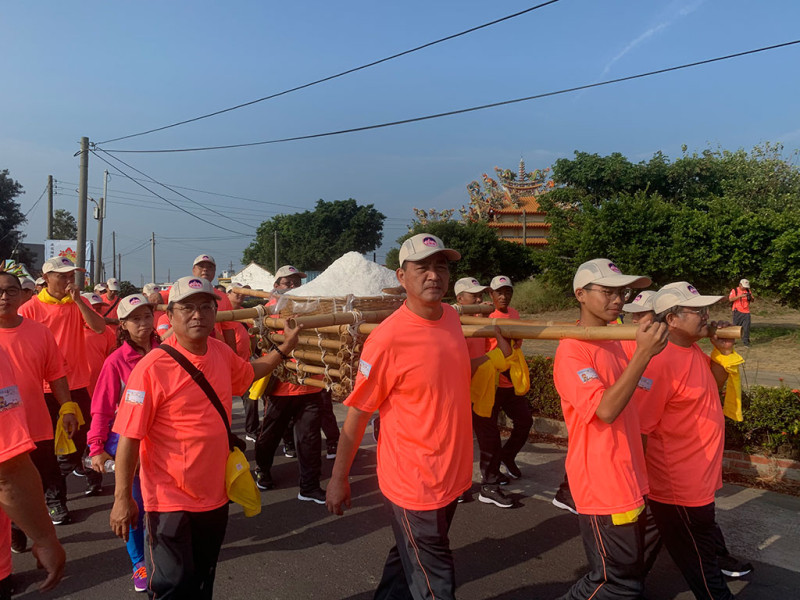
[200, 379]
[110, 308]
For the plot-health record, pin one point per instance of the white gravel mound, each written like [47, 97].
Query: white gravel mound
[349, 274]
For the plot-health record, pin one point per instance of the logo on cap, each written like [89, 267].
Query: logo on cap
[206, 257]
[502, 280]
[475, 282]
[429, 241]
[692, 289]
[292, 269]
[195, 284]
[639, 297]
[614, 268]
[134, 301]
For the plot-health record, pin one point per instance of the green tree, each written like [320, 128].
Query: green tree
[483, 254]
[64, 225]
[11, 218]
[314, 239]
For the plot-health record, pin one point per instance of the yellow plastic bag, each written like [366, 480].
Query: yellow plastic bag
[520, 374]
[64, 445]
[240, 485]
[733, 387]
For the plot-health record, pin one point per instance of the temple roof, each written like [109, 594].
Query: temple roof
[517, 225]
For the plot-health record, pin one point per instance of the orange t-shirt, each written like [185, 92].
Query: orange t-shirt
[223, 303]
[681, 414]
[98, 347]
[503, 382]
[605, 462]
[184, 444]
[111, 312]
[14, 441]
[66, 324]
[478, 346]
[157, 314]
[162, 324]
[416, 372]
[35, 358]
[741, 305]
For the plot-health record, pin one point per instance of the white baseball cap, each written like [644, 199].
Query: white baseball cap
[681, 293]
[745, 283]
[422, 246]
[204, 258]
[288, 271]
[500, 281]
[149, 288]
[40, 281]
[93, 298]
[642, 303]
[100, 288]
[130, 303]
[188, 286]
[602, 271]
[113, 284]
[27, 283]
[469, 285]
[59, 264]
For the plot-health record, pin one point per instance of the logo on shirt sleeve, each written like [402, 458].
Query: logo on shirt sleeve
[134, 396]
[364, 368]
[586, 375]
[645, 383]
[9, 397]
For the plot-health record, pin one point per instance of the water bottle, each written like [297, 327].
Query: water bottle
[108, 465]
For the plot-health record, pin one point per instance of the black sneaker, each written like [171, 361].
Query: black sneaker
[490, 494]
[734, 567]
[331, 452]
[502, 479]
[93, 489]
[563, 499]
[289, 451]
[264, 482]
[19, 541]
[59, 515]
[317, 495]
[511, 469]
[79, 472]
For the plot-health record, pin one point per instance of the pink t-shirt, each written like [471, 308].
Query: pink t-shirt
[35, 358]
[184, 444]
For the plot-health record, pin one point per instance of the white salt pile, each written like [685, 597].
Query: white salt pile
[255, 276]
[350, 274]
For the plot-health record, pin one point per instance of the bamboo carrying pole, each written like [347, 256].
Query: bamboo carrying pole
[249, 292]
[531, 332]
[344, 318]
[486, 322]
[474, 309]
[313, 369]
[304, 340]
[328, 359]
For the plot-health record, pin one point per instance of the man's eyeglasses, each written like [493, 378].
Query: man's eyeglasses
[10, 292]
[189, 309]
[610, 292]
[701, 312]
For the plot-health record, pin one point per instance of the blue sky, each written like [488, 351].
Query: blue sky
[107, 69]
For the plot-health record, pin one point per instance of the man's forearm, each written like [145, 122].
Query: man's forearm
[60, 390]
[22, 499]
[355, 423]
[94, 320]
[125, 463]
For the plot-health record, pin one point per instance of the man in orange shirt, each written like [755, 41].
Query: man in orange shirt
[605, 459]
[740, 299]
[681, 414]
[98, 345]
[170, 425]
[35, 358]
[110, 296]
[415, 370]
[60, 307]
[516, 408]
[21, 489]
[205, 266]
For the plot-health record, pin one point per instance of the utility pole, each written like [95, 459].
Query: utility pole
[276, 251]
[119, 269]
[83, 186]
[49, 207]
[101, 215]
[153, 256]
[114, 253]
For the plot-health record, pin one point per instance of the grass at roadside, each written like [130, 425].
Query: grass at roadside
[535, 296]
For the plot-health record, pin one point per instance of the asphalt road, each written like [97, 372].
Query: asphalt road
[296, 551]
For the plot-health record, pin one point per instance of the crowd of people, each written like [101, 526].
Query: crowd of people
[143, 386]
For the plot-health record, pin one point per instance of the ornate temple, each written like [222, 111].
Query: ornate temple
[511, 207]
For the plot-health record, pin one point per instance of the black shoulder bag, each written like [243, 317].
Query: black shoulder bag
[197, 376]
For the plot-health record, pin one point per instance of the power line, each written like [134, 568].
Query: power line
[24, 218]
[184, 196]
[330, 77]
[464, 110]
[121, 172]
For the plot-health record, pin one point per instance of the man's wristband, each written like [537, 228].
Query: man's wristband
[278, 350]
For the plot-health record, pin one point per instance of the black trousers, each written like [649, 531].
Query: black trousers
[306, 412]
[45, 461]
[691, 536]
[328, 420]
[518, 409]
[420, 565]
[251, 415]
[55, 488]
[489, 447]
[183, 549]
[743, 320]
[616, 559]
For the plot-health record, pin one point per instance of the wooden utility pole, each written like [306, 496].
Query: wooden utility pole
[101, 215]
[49, 207]
[276, 251]
[83, 186]
[114, 253]
[153, 256]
